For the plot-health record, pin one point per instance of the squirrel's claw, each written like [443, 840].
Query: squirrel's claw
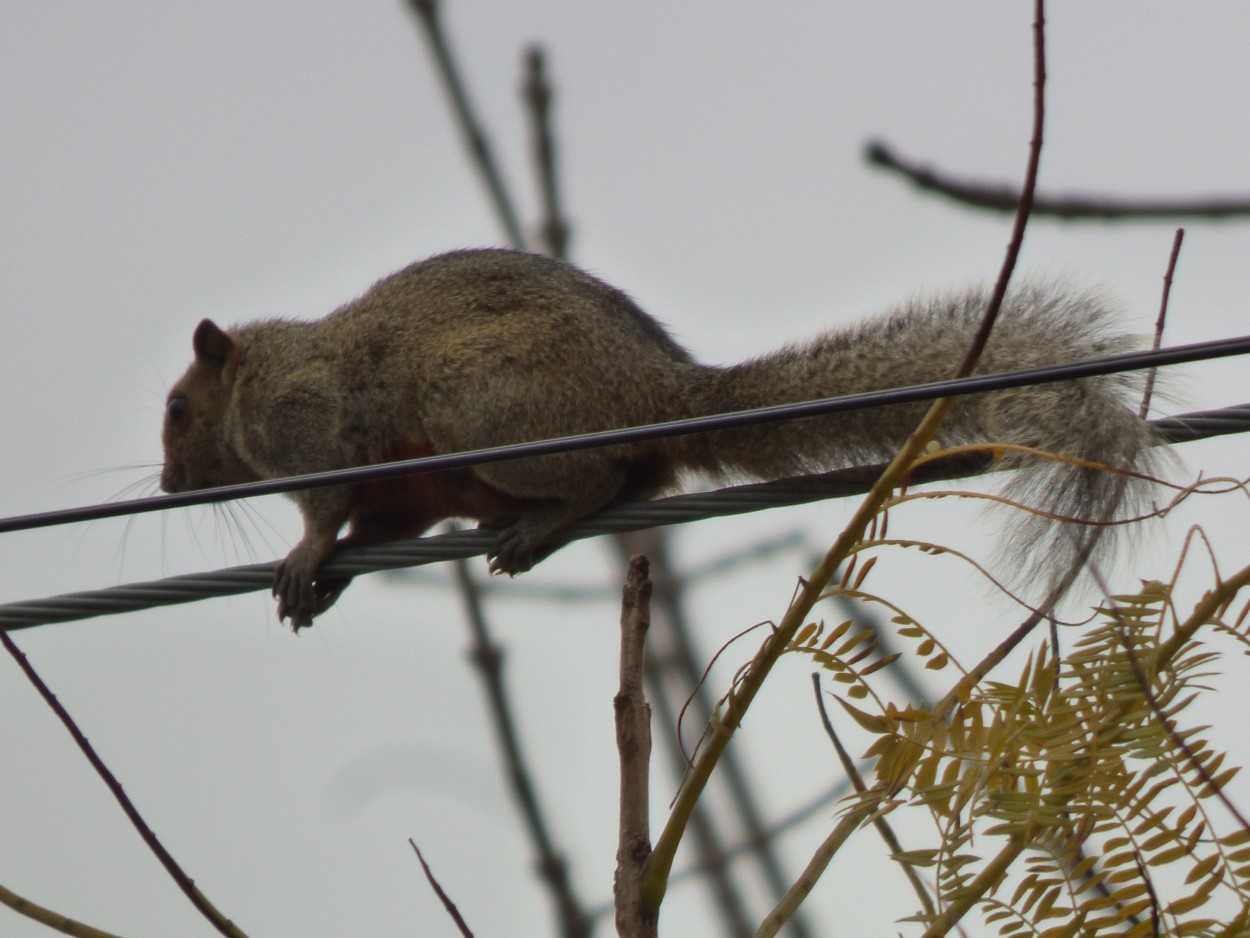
[301, 594]
[517, 549]
[510, 554]
[294, 593]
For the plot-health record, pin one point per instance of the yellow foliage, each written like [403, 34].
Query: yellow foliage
[1082, 771]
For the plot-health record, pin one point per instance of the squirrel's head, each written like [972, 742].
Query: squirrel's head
[198, 452]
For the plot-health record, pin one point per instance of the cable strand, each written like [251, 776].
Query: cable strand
[677, 509]
[1110, 364]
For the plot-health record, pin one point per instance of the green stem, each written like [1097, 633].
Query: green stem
[54, 920]
[739, 700]
[1203, 613]
[815, 868]
[984, 883]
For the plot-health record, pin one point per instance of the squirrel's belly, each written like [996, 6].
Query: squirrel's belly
[390, 509]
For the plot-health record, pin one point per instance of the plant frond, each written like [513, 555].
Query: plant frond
[1091, 768]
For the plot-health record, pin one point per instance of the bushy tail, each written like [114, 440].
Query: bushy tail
[1094, 419]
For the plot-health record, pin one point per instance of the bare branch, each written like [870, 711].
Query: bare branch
[854, 531]
[197, 898]
[674, 666]
[1168, 726]
[474, 136]
[1024, 205]
[1161, 322]
[487, 657]
[1005, 198]
[54, 920]
[880, 823]
[633, 742]
[442, 896]
[554, 227]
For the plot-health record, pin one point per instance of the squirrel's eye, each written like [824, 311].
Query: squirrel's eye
[176, 407]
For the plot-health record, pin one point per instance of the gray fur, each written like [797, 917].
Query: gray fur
[481, 348]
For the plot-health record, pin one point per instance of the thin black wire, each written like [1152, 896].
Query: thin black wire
[677, 509]
[1127, 361]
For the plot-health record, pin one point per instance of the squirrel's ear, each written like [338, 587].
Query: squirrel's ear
[212, 346]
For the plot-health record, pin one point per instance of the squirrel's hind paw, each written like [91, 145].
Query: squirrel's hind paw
[536, 530]
[517, 548]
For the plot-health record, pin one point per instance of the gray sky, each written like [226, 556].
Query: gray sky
[168, 161]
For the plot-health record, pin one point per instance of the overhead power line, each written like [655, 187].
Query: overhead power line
[677, 509]
[954, 387]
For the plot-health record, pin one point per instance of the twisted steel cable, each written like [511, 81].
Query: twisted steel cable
[676, 509]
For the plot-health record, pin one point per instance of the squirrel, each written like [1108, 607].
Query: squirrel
[479, 348]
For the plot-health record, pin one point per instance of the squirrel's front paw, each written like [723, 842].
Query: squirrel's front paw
[300, 593]
[294, 591]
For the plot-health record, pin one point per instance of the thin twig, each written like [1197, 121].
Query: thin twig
[902, 671]
[728, 899]
[1004, 198]
[1143, 684]
[753, 676]
[474, 137]
[1000, 652]
[740, 698]
[633, 742]
[1212, 604]
[780, 639]
[984, 882]
[53, 920]
[442, 896]
[671, 622]
[1024, 207]
[675, 666]
[671, 659]
[880, 823]
[487, 657]
[1161, 322]
[788, 822]
[554, 227]
[197, 898]
[806, 881]
[1144, 872]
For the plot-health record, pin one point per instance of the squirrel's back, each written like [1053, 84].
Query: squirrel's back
[484, 347]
